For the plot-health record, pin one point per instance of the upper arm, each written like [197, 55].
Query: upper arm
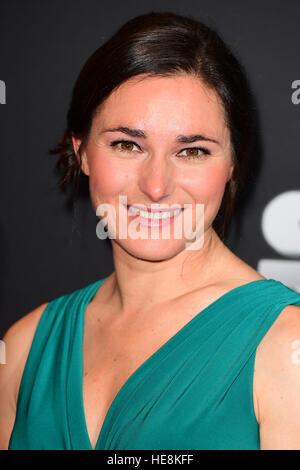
[18, 340]
[279, 383]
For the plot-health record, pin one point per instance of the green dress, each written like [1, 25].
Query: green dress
[194, 392]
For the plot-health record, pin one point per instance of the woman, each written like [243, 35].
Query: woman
[161, 353]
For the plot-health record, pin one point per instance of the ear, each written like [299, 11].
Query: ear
[230, 172]
[84, 161]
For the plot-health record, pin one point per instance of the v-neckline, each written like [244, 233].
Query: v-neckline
[81, 419]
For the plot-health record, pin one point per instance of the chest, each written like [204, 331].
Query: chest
[111, 354]
[113, 351]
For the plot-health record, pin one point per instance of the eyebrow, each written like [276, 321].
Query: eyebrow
[185, 139]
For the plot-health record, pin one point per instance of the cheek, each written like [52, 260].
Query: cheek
[207, 184]
[107, 178]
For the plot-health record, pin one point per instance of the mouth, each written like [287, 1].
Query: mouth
[153, 217]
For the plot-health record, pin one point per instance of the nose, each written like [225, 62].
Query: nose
[156, 179]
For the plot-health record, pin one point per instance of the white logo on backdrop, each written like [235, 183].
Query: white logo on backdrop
[281, 230]
[296, 94]
[2, 92]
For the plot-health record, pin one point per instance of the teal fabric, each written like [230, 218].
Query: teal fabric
[194, 392]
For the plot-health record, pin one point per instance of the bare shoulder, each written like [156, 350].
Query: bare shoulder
[19, 336]
[277, 382]
[281, 339]
[17, 340]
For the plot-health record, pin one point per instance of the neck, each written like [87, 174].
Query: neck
[138, 284]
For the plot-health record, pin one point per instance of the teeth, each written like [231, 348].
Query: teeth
[154, 215]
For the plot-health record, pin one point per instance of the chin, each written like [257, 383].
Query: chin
[153, 250]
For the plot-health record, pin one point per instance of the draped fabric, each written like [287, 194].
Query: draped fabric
[194, 392]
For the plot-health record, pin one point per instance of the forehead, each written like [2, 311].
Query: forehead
[176, 103]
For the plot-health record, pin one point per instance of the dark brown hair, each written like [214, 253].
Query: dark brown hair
[163, 44]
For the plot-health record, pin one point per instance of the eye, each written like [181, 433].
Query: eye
[193, 155]
[126, 145]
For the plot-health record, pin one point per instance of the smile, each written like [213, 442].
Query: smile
[153, 218]
[154, 215]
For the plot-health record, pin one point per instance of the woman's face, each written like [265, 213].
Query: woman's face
[137, 149]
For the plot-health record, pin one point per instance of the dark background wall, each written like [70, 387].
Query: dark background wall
[43, 45]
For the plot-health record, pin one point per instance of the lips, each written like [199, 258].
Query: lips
[152, 218]
[151, 209]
